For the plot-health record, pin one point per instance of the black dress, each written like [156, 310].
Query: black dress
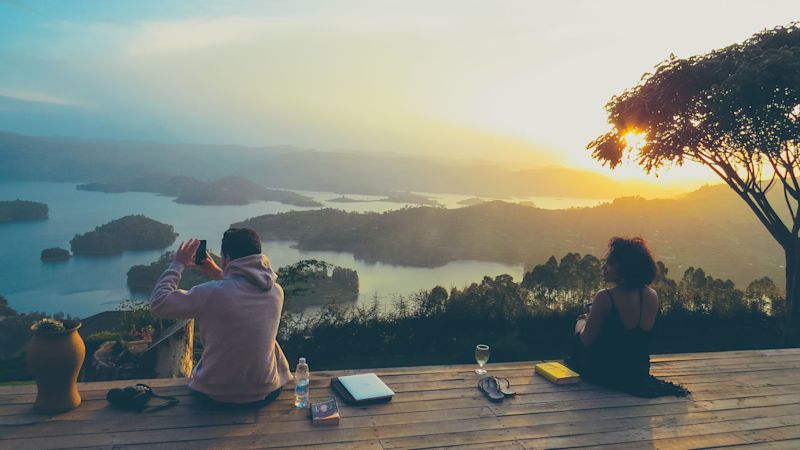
[620, 358]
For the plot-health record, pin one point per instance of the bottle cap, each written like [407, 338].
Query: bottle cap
[302, 360]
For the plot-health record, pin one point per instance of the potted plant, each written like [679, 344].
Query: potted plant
[55, 354]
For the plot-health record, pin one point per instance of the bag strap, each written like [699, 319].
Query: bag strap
[170, 400]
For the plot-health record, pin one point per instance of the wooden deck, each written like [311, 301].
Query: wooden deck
[746, 398]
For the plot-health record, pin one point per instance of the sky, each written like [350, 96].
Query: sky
[517, 82]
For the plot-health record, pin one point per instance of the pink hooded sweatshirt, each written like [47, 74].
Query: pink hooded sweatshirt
[238, 319]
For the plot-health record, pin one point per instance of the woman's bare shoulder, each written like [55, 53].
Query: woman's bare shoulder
[650, 294]
[601, 298]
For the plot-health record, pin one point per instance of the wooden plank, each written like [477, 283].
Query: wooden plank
[105, 385]
[96, 390]
[749, 356]
[517, 379]
[790, 444]
[789, 433]
[725, 364]
[320, 380]
[640, 429]
[724, 354]
[471, 432]
[270, 413]
[472, 397]
[440, 403]
[467, 394]
[512, 445]
[220, 444]
[680, 443]
[656, 434]
[752, 367]
[372, 428]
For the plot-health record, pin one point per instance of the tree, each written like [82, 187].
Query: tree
[762, 293]
[6, 310]
[667, 290]
[736, 111]
[590, 276]
[434, 302]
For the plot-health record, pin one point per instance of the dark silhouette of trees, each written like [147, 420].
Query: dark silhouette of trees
[142, 278]
[735, 110]
[530, 320]
[6, 310]
[569, 283]
[763, 295]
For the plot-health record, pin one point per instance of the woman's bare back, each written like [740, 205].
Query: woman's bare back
[635, 311]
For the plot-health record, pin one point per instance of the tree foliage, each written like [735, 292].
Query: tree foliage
[530, 320]
[142, 278]
[735, 110]
[569, 283]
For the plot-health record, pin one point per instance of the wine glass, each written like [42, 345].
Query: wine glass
[481, 357]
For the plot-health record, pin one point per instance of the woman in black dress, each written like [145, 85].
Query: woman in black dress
[612, 345]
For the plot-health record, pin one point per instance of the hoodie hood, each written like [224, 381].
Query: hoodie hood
[255, 268]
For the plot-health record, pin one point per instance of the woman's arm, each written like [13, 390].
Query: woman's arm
[594, 321]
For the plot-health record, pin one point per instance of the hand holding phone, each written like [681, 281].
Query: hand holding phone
[200, 255]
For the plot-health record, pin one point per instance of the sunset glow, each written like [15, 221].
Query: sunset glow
[522, 83]
[635, 140]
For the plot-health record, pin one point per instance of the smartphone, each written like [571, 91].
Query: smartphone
[200, 256]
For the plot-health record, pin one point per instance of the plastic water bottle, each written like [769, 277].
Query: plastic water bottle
[301, 384]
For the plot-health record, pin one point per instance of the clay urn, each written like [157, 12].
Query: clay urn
[55, 354]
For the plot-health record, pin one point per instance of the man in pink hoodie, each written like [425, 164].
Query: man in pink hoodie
[237, 315]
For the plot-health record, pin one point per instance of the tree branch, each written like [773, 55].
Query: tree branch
[777, 229]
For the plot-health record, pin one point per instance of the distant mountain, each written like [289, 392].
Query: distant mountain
[77, 160]
[225, 191]
[709, 228]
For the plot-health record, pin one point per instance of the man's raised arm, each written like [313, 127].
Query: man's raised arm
[170, 302]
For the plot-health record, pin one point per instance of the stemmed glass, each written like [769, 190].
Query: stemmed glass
[481, 357]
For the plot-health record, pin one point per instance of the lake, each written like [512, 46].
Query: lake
[84, 286]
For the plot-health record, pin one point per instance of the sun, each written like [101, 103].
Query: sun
[634, 139]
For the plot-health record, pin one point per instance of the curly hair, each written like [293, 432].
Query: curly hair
[635, 263]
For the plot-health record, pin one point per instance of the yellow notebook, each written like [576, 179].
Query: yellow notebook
[557, 373]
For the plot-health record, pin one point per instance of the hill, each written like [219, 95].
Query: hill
[118, 164]
[225, 191]
[135, 232]
[709, 228]
[22, 210]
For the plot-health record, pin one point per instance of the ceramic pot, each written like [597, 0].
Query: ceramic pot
[54, 360]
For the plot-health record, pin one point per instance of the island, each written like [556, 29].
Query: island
[55, 254]
[344, 199]
[411, 198]
[694, 230]
[22, 210]
[305, 283]
[108, 188]
[393, 197]
[471, 201]
[135, 232]
[142, 279]
[187, 190]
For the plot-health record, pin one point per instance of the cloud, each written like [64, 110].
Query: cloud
[39, 97]
[168, 37]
